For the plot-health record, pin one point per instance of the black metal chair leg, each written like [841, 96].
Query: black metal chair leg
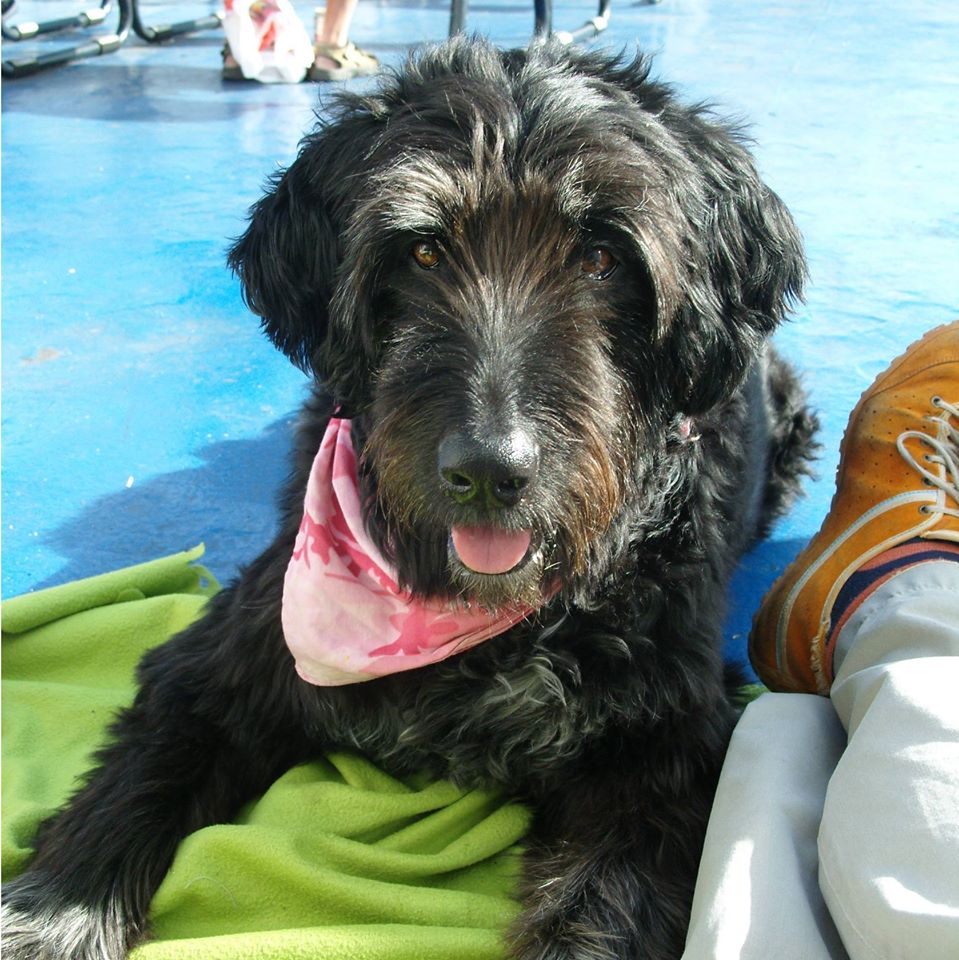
[592, 28]
[26, 30]
[166, 31]
[94, 47]
[543, 27]
[543, 10]
[458, 10]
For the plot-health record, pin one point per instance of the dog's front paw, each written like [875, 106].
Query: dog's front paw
[34, 928]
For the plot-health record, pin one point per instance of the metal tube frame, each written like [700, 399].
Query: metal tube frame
[592, 28]
[27, 29]
[129, 18]
[543, 21]
[166, 31]
[94, 47]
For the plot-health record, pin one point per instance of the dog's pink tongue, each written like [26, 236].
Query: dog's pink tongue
[489, 549]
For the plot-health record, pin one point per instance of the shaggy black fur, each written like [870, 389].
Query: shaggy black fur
[596, 263]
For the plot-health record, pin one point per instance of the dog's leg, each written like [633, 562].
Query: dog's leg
[211, 726]
[612, 857]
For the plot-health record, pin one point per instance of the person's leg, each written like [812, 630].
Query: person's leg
[869, 614]
[757, 896]
[889, 840]
[336, 57]
[888, 831]
[335, 27]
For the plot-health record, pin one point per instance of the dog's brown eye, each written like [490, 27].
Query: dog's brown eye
[426, 253]
[598, 263]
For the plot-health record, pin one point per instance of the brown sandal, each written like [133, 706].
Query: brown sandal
[350, 61]
[231, 69]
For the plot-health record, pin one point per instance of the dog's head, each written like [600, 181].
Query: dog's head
[517, 271]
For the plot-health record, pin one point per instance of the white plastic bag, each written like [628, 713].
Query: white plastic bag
[267, 40]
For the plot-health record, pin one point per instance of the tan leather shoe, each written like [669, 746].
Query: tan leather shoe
[341, 63]
[897, 480]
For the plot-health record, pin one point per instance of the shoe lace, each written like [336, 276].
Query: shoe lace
[945, 454]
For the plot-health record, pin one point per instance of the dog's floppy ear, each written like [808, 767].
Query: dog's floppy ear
[744, 268]
[287, 258]
[722, 254]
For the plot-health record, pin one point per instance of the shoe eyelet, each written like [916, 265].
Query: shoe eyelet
[927, 482]
[925, 509]
[937, 401]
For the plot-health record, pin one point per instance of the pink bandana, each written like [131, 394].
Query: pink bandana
[344, 617]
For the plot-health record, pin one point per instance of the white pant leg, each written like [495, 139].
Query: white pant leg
[889, 839]
[757, 896]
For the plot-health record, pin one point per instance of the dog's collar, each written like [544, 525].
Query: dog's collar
[345, 619]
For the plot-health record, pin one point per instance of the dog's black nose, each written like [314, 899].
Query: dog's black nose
[496, 470]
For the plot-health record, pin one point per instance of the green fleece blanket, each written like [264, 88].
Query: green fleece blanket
[337, 860]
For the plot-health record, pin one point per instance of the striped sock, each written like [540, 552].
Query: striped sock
[872, 575]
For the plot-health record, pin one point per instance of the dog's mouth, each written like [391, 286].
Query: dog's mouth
[495, 567]
[491, 550]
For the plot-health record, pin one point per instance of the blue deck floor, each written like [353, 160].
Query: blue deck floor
[142, 410]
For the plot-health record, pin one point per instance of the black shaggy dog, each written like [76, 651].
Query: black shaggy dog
[541, 289]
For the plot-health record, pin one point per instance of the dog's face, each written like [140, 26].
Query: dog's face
[518, 272]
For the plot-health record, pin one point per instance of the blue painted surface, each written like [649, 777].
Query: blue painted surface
[143, 412]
